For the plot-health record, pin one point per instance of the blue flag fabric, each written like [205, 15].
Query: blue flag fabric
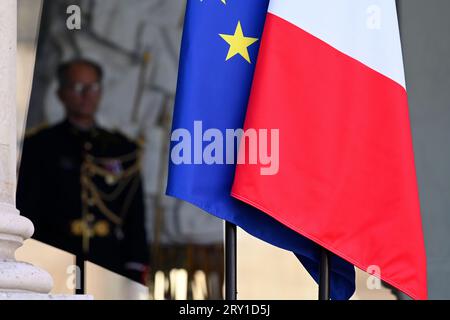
[214, 85]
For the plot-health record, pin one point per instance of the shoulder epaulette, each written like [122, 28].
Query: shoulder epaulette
[36, 129]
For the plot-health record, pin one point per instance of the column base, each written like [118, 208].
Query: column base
[18, 276]
[41, 296]
[23, 277]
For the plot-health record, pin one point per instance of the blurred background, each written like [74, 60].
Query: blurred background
[137, 43]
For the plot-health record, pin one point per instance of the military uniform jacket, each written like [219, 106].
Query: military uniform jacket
[83, 192]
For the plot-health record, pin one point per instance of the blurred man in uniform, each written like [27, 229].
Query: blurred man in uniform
[80, 184]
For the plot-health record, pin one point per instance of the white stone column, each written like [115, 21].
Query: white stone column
[17, 279]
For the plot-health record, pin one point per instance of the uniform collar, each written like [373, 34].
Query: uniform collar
[91, 132]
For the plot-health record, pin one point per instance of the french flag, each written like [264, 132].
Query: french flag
[330, 77]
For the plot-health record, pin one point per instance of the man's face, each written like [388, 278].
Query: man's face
[81, 93]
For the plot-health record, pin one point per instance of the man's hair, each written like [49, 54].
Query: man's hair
[65, 66]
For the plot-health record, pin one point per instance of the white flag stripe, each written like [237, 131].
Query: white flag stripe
[366, 30]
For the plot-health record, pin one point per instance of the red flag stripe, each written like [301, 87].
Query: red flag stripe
[347, 177]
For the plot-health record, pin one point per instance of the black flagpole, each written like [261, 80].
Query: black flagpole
[324, 275]
[230, 261]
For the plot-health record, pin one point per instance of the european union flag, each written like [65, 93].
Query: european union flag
[218, 55]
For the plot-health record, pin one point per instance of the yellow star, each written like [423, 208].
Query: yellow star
[238, 43]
